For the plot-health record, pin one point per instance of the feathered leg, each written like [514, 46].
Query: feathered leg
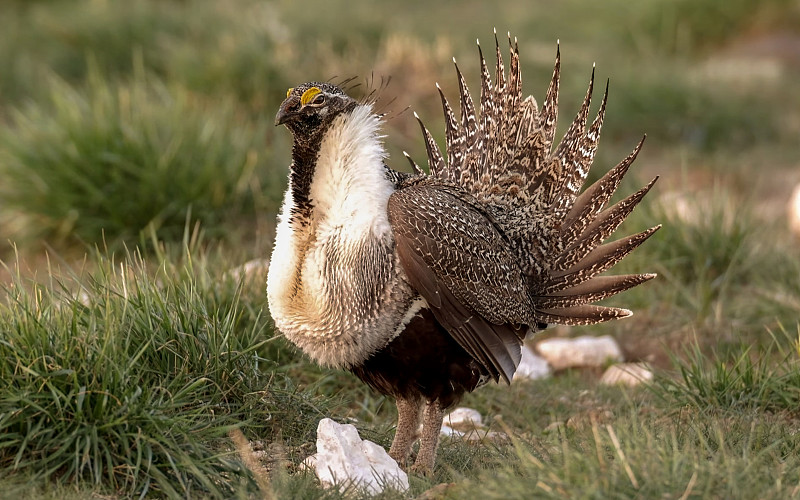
[408, 414]
[429, 441]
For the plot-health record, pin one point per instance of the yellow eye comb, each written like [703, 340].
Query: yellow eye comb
[308, 95]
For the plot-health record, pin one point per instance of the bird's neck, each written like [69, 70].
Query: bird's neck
[304, 159]
[342, 180]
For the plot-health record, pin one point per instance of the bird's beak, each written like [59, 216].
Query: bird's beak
[282, 117]
[285, 112]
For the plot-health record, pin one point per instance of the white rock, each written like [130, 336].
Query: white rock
[630, 374]
[462, 416]
[344, 458]
[580, 351]
[793, 212]
[532, 366]
[460, 421]
[467, 424]
[691, 208]
[449, 431]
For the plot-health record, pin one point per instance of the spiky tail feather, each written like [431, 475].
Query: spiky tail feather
[506, 160]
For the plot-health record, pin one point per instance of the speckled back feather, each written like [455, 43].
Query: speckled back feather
[505, 159]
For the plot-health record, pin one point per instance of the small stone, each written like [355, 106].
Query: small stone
[579, 352]
[588, 418]
[343, 457]
[532, 366]
[630, 374]
[463, 419]
[575, 423]
[467, 424]
[793, 212]
[684, 207]
[310, 463]
[448, 431]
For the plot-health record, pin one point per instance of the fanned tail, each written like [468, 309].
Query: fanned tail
[505, 158]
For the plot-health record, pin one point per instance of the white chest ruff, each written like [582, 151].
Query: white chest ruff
[335, 287]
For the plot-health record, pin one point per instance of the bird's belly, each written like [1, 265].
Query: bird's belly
[423, 361]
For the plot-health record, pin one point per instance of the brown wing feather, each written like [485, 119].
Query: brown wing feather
[460, 263]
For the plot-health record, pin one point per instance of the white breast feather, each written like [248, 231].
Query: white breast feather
[319, 308]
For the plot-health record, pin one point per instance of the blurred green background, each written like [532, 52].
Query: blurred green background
[123, 117]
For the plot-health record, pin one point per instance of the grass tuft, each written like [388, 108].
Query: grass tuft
[132, 380]
[114, 160]
[687, 459]
[747, 381]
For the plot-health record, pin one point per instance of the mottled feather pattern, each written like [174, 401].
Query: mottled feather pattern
[455, 139]
[601, 228]
[473, 261]
[597, 261]
[436, 162]
[425, 285]
[506, 160]
[594, 198]
[574, 156]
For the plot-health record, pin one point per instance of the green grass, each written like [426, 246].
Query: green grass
[718, 430]
[758, 379]
[116, 160]
[703, 249]
[130, 378]
[681, 456]
[211, 47]
[690, 28]
[122, 370]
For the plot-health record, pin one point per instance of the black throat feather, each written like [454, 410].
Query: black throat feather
[304, 161]
[308, 136]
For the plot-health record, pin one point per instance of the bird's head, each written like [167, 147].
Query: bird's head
[310, 108]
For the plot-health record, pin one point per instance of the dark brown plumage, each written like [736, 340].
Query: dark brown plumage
[448, 270]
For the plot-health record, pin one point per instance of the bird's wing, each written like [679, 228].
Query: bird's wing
[457, 259]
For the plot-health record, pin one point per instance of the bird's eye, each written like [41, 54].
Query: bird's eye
[319, 100]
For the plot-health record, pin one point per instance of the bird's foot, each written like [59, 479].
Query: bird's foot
[400, 458]
[429, 441]
[421, 469]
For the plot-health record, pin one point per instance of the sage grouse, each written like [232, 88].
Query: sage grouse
[425, 285]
